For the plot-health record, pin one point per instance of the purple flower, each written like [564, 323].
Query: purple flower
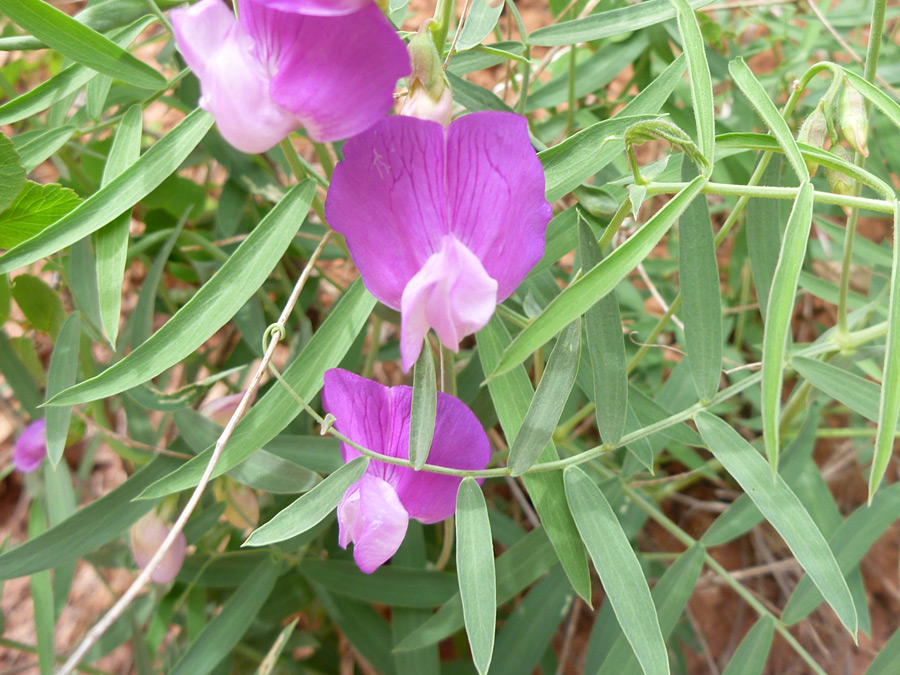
[375, 511]
[329, 66]
[442, 224]
[147, 536]
[31, 447]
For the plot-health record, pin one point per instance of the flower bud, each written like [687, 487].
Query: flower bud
[813, 132]
[838, 182]
[429, 92]
[220, 410]
[853, 120]
[31, 447]
[242, 508]
[147, 535]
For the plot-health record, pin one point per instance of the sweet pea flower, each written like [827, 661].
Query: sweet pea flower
[375, 511]
[31, 447]
[147, 536]
[327, 65]
[443, 224]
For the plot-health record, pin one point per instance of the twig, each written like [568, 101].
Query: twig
[656, 295]
[523, 502]
[570, 635]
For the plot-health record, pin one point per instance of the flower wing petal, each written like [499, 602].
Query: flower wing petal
[382, 526]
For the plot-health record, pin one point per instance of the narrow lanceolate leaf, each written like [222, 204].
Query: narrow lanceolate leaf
[698, 275]
[759, 99]
[80, 43]
[310, 509]
[268, 664]
[480, 21]
[889, 407]
[210, 308]
[35, 147]
[763, 228]
[63, 369]
[144, 176]
[112, 240]
[619, 570]
[701, 82]
[855, 392]
[750, 656]
[606, 349]
[424, 408]
[475, 568]
[42, 596]
[225, 630]
[594, 285]
[547, 404]
[778, 316]
[783, 510]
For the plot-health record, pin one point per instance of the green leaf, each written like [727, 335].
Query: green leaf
[424, 408]
[272, 413]
[17, 376]
[41, 305]
[12, 174]
[759, 99]
[475, 568]
[763, 228]
[310, 509]
[480, 21]
[698, 275]
[619, 570]
[611, 22]
[90, 528]
[112, 239]
[606, 349]
[35, 208]
[80, 43]
[225, 630]
[701, 81]
[783, 510]
[778, 316]
[36, 146]
[596, 283]
[63, 369]
[404, 620]
[42, 597]
[268, 664]
[209, 309]
[858, 394]
[549, 399]
[889, 406]
[751, 655]
[163, 158]
[473, 97]
[886, 661]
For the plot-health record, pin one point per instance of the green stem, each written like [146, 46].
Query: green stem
[443, 15]
[570, 112]
[614, 225]
[31, 649]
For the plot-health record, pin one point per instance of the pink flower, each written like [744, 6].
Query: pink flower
[375, 511]
[31, 447]
[442, 224]
[327, 65]
[147, 536]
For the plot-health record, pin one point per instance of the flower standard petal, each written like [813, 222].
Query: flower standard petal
[31, 447]
[318, 7]
[495, 192]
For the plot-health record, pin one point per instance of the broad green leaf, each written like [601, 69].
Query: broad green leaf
[759, 99]
[475, 568]
[596, 283]
[36, 146]
[889, 406]
[611, 22]
[12, 173]
[226, 628]
[751, 655]
[209, 308]
[549, 399]
[274, 411]
[778, 316]
[480, 22]
[310, 509]
[512, 394]
[163, 158]
[40, 304]
[112, 239]
[35, 208]
[783, 510]
[80, 43]
[42, 597]
[606, 349]
[701, 82]
[63, 369]
[698, 276]
[763, 227]
[424, 407]
[619, 570]
[88, 529]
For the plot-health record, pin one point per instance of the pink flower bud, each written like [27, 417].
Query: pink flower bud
[31, 447]
[147, 536]
[242, 507]
[220, 410]
[429, 95]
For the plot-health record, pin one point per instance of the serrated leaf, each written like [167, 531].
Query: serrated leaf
[35, 208]
[12, 174]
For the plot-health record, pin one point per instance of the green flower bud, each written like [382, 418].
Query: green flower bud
[838, 182]
[429, 92]
[813, 132]
[853, 119]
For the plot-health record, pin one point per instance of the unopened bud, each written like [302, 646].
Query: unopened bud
[241, 505]
[429, 92]
[853, 120]
[838, 182]
[147, 536]
[220, 410]
[813, 132]
[31, 447]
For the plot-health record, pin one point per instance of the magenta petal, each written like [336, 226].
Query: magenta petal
[31, 447]
[495, 188]
[387, 199]
[372, 517]
[147, 535]
[340, 75]
[362, 410]
[452, 293]
[317, 7]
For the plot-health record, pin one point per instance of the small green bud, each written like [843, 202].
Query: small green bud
[429, 92]
[838, 182]
[813, 132]
[853, 120]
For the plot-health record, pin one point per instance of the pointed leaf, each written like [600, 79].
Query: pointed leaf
[701, 82]
[751, 655]
[424, 408]
[63, 369]
[35, 208]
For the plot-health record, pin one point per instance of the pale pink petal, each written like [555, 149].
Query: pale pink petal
[200, 30]
[31, 447]
[147, 535]
[373, 519]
